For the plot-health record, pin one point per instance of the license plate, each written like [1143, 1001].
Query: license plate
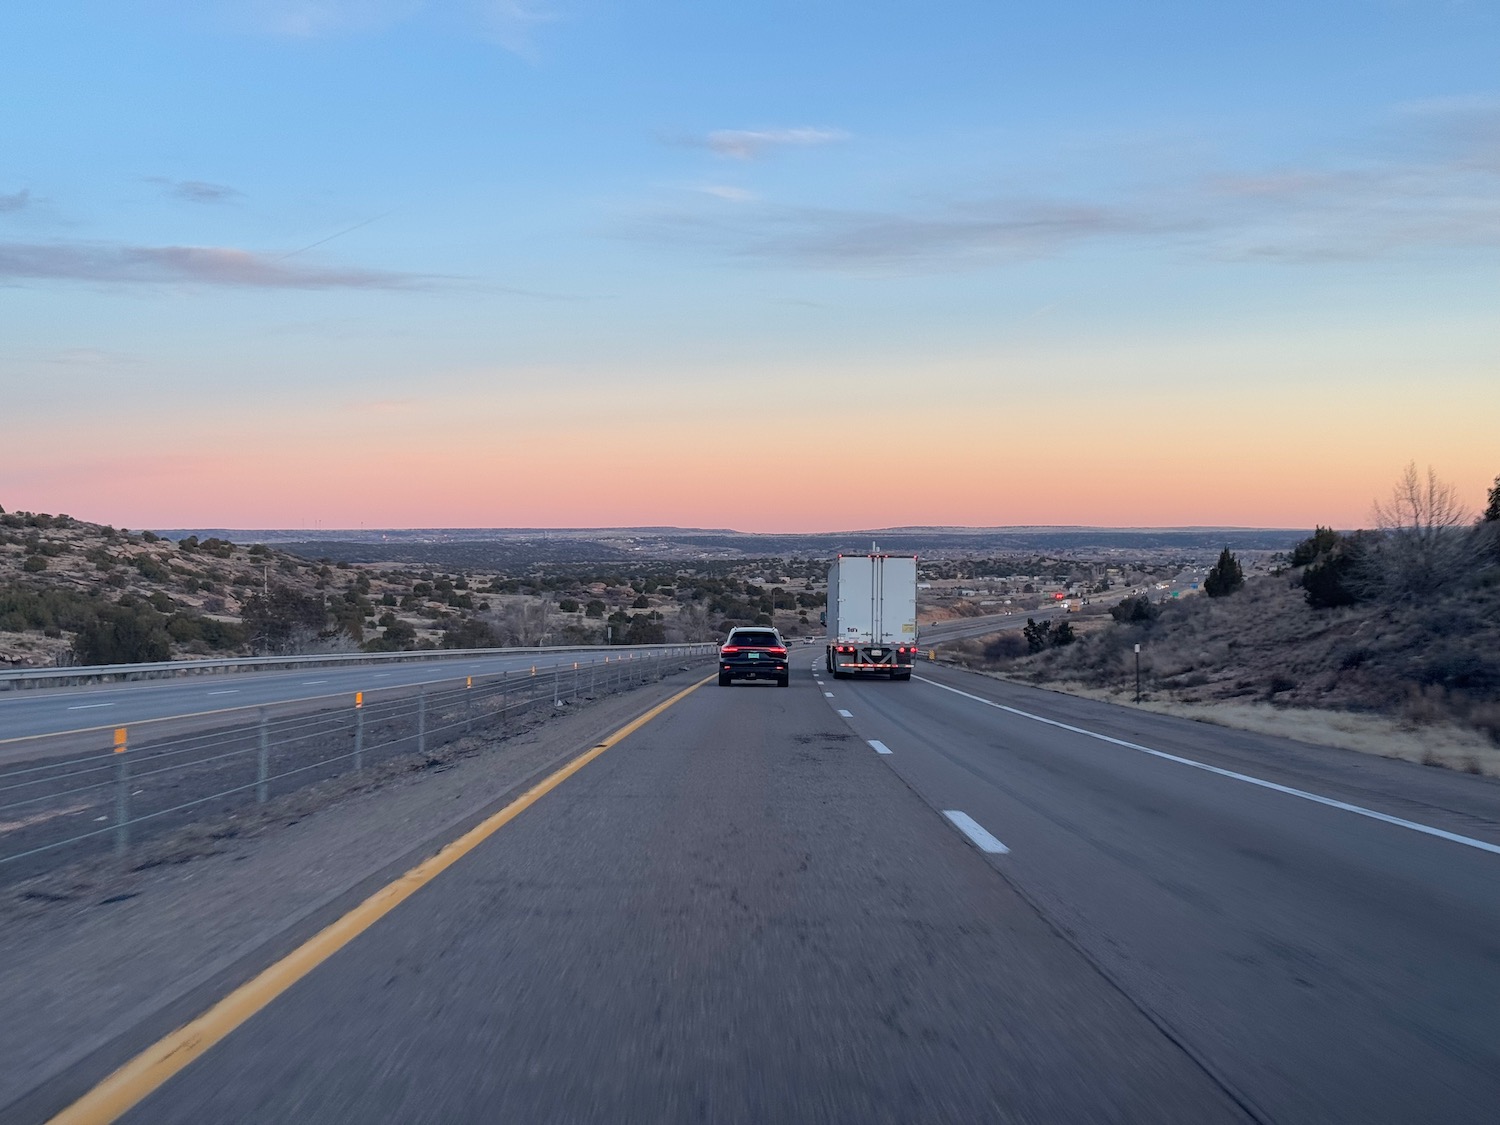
[753, 655]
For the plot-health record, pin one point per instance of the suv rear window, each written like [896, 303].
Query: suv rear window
[754, 638]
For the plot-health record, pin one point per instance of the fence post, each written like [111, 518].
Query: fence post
[422, 720]
[263, 760]
[122, 792]
[359, 730]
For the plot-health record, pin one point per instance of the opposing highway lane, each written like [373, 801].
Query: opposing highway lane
[47, 711]
[1320, 928]
[738, 913]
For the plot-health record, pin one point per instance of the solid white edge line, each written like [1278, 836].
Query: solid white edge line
[879, 747]
[846, 714]
[975, 832]
[1358, 810]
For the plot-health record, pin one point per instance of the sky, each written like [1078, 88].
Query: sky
[777, 267]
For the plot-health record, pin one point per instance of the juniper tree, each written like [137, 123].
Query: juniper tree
[1225, 578]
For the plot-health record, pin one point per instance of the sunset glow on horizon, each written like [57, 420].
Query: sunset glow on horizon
[638, 265]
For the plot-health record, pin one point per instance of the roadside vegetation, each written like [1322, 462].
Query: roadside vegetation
[1399, 622]
[73, 592]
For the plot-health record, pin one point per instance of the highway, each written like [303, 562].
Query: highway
[948, 900]
[46, 711]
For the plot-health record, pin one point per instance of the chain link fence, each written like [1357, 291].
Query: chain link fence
[137, 784]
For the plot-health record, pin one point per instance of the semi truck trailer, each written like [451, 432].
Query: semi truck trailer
[872, 615]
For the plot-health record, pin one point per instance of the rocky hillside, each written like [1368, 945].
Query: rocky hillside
[80, 593]
[1420, 661]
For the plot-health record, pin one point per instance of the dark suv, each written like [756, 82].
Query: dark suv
[753, 654]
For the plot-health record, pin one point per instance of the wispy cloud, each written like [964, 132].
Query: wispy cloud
[196, 191]
[508, 23]
[317, 19]
[752, 144]
[727, 192]
[1436, 187]
[1431, 185]
[119, 264]
[15, 201]
[883, 241]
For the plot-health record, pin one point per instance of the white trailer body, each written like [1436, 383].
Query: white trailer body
[872, 615]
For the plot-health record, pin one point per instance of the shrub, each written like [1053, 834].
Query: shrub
[644, 631]
[1006, 646]
[568, 605]
[1320, 542]
[1063, 635]
[1337, 577]
[121, 634]
[273, 622]
[1133, 610]
[1038, 634]
[1226, 576]
[398, 636]
[472, 633]
[34, 564]
[151, 569]
[595, 608]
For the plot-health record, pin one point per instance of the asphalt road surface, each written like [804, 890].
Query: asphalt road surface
[902, 902]
[46, 711]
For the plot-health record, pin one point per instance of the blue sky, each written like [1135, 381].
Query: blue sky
[353, 263]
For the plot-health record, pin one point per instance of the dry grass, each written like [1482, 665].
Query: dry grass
[1441, 744]
[1417, 681]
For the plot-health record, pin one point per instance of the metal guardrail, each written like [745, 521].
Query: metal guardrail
[133, 785]
[166, 668]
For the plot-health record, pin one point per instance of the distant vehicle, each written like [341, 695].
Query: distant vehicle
[807, 640]
[872, 615]
[753, 654]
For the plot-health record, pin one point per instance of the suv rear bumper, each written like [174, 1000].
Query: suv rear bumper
[753, 669]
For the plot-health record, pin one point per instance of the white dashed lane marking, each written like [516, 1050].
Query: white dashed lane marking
[975, 832]
[1315, 798]
[880, 747]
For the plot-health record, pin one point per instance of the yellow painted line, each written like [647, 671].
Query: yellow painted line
[148, 1071]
